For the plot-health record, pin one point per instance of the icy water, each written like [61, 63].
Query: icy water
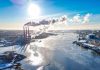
[58, 53]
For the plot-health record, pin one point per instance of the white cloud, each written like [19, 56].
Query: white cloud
[76, 19]
[86, 18]
[79, 19]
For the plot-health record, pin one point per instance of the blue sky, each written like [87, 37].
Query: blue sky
[14, 11]
[91, 6]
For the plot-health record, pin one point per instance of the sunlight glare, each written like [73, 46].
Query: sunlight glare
[33, 10]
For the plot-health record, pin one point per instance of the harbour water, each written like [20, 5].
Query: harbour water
[58, 53]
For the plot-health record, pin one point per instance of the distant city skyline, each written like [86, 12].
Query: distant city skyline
[13, 13]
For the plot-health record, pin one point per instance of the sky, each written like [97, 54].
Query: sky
[13, 13]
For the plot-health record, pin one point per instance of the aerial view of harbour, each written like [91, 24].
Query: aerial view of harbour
[49, 35]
